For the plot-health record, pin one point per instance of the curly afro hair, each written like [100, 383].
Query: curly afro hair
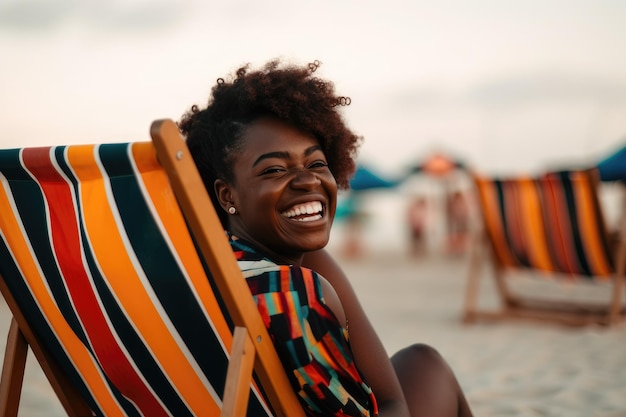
[289, 93]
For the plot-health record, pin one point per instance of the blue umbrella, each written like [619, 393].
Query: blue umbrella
[365, 179]
[613, 168]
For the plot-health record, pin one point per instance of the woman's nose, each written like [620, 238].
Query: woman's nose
[304, 179]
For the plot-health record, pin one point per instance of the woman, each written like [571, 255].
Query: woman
[273, 150]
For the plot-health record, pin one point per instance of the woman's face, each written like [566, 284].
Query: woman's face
[283, 190]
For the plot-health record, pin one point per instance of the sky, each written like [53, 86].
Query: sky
[504, 86]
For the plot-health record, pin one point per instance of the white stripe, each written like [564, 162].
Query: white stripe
[252, 268]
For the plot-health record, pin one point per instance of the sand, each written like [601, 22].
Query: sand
[506, 368]
[520, 369]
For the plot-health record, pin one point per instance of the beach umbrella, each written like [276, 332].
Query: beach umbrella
[365, 179]
[613, 167]
[437, 165]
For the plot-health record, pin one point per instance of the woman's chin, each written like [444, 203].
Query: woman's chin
[312, 243]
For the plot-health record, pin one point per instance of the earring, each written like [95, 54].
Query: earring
[232, 210]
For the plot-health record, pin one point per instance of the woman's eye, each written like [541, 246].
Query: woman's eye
[318, 164]
[273, 170]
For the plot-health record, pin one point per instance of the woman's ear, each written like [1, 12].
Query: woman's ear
[224, 194]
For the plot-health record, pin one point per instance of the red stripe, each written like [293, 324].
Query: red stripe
[511, 207]
[552, 228]
[566, 227]
[66, 242]
[561, 228]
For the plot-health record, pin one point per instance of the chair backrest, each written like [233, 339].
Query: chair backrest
[513, 221]
[577, 232]
[99, 259]
[552, 222]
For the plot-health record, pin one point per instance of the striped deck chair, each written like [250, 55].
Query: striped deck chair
[121, 280]
[553, 226]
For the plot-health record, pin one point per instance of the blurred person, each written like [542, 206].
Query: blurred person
[458, 222]
[417, 213]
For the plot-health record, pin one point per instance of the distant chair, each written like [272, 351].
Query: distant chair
[552, 225]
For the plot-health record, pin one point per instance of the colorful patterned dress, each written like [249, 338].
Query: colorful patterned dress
[314, 348]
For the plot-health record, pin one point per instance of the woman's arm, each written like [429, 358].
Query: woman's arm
[370, 355]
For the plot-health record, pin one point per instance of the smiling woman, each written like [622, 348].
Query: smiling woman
[273, 149]
[282, 190]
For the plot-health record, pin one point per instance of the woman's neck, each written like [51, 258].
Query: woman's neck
[280, 259]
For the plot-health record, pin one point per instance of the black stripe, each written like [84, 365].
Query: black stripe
[504, 193]
[572, 211]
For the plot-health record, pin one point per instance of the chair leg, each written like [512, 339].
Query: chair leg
[503, 290]
[13, 371]
[71, 400]
[239, 374]
[615, 310]
[473, 281]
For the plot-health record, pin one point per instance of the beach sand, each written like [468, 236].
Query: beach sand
[512, 368]
[520, 369]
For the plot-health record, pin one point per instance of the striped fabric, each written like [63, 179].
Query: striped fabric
[576, 231]
[98, 257]
[550, 223]
[514, 222]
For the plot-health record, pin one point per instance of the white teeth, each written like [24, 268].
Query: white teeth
[311, 218]
[314, 207]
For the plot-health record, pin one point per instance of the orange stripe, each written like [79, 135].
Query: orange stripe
[292, 314]
[277, 305]
[126, 284]
[76, 351]
[309, 284]
[335, 357]
[493, 220]
[590, 235]
[533, 226]
[285, 278]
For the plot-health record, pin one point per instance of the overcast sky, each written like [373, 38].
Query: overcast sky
[504, 85]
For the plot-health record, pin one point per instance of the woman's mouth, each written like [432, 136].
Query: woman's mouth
[305, 212]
